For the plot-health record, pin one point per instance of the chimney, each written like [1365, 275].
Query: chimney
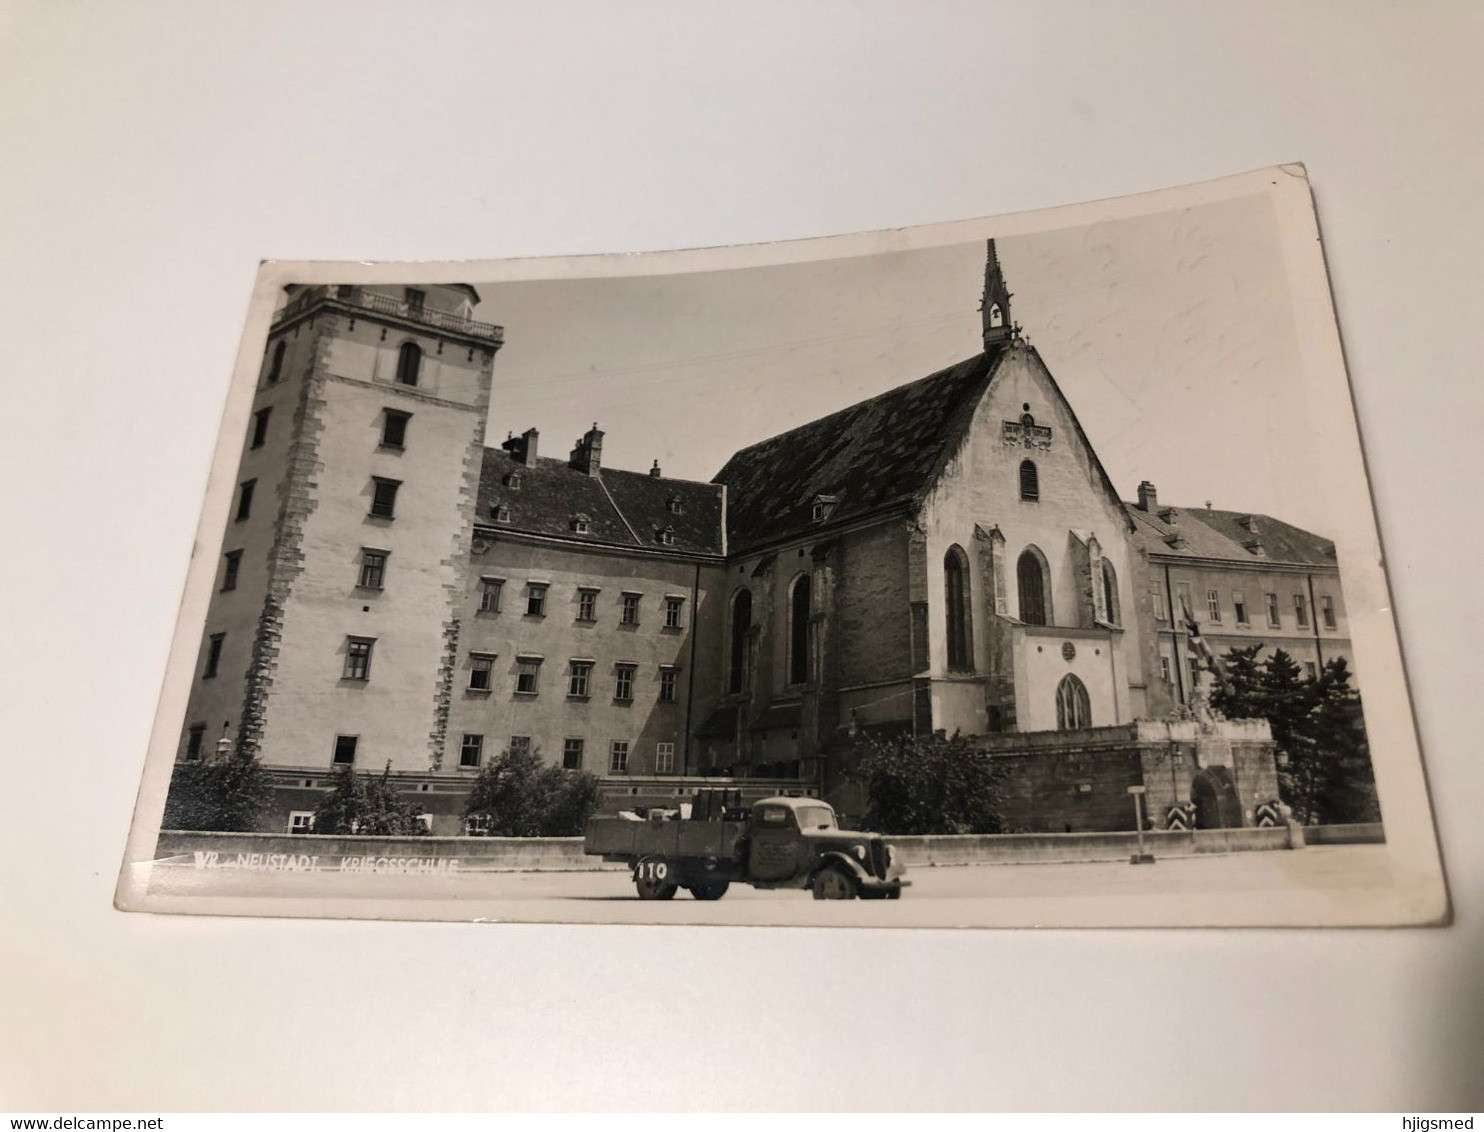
[587, 453]
[523, 447]
[655, 471]
[1148, 499]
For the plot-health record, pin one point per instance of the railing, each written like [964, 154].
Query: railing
[386, 304]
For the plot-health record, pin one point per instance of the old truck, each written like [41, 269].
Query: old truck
[774, 843]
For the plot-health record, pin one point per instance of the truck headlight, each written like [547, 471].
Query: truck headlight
[860, 851]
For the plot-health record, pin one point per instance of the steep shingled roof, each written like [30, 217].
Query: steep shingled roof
[623, 509]
[1209, 533]
[869, 457]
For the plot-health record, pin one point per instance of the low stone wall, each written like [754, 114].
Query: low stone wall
[1028, 848]
[1366, 833]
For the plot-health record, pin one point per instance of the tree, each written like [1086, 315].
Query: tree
[1324, 770]
[520, 796]
[367, 805]
[931, 784]
[221, 795]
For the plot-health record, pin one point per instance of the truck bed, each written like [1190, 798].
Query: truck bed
[676, 837]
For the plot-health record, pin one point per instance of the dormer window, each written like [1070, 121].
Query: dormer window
[581, 524]
[824, 507]
[501, 513]
[512, 481]
[675, 506]
[666, 536]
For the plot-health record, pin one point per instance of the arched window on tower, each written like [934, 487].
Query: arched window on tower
[741, 646]
[1073, 709]
[1030, 481]
[956, 603]
[799, 611]
[275, 371]
[996, 316]
[1030, 578]
[1110, 593]
[409, 361]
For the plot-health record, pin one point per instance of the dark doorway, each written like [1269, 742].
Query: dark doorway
[1214, 795]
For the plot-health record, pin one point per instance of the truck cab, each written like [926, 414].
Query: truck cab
[777, 842]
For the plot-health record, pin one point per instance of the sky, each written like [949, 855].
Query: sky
[1170, 335]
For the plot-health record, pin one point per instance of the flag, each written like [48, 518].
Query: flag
[1200, 647]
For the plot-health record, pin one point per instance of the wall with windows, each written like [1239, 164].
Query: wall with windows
[389, 469]
[992, 507]
[540, 608]
[1231, 605]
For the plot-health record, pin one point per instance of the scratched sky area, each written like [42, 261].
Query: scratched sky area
[1171, 335]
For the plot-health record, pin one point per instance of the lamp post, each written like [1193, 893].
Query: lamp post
[1140, 857]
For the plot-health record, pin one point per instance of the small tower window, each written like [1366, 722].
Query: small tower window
[1030, 481]
[996, 316]
[409, 362]
[275, 371]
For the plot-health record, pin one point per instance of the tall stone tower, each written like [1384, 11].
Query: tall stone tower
[332, 634]
[995, 306]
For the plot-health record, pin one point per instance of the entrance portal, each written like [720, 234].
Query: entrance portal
[1214, 795]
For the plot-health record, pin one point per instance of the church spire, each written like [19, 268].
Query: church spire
[995, 306]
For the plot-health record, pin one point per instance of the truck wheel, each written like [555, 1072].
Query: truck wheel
[834, 883]
[655, 889]
[710, 890]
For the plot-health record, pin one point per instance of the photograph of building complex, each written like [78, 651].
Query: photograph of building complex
[1013, 538]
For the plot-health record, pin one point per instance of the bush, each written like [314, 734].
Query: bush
[367, 805]
[928, 785]
[224, 795]
[523, 797]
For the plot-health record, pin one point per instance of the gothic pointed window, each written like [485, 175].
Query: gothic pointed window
[1110, 593]
[799, 611]
[957, 608]
[409, 362]
[996, 315]
[741, 628]
[1030, 481]
[1073, 709]
[1030, 578]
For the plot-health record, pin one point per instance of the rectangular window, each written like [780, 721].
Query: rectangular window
[1310, 670]
[673, 608]
[373, 569]
[579, 679]
[477, 825]
[536, 599]
[571, 754]
[527, 675]
[623, 684]
[415, 299]
[618, 757]
[345, 750]
[630, 614]
[358, 658]
[1183, 608]
[664, 758]
[668, 681]
[1275, 618]
[1300, 611]
[1164, 670]
[481, 671]
[1159, 603]
[260, 427]
[244, 499]
[1213, 605]
[229, 571]
[1195, 671]
[489, 594]
[195, 737]
[1327, 610]
[301, 821]
[394, 428]
[1239, 606]
[587, 605]
[520, 744]
[213, 654]
[471, 750]
[384, 497]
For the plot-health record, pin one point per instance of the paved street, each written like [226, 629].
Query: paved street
[1279, 887]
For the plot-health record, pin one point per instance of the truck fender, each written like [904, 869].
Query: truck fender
[835, 857]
